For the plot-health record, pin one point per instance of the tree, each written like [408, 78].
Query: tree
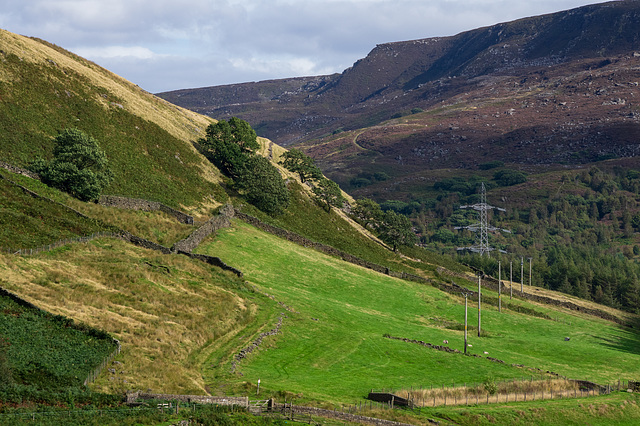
[329, 193]
[396, 230]
[264, 186]
[368, 213]
[509, 177]
[296, 161]
[79, 167]
[230, 144]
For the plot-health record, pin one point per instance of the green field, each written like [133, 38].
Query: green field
[333, 349]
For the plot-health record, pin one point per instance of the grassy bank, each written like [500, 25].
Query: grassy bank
[333, 348]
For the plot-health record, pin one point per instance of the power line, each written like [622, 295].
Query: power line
[482, 228]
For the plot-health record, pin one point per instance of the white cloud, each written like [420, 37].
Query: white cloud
[209, 42]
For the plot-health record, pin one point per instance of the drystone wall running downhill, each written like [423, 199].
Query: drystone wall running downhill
[215, 261]
[256, 343]
[144, 205]
[223, 220]
[331, 251]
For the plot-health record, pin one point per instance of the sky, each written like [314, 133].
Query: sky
[164, 45]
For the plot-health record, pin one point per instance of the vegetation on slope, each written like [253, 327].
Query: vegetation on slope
[167, 311]
[332, 345]
[28, 222]
[46, 351]
[148, 142]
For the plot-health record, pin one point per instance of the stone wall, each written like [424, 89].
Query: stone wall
[215, 261]
[212, 225]
[241, 401]
[144, 205]
[19, 171]
[298, 239]
[141, 242]
[492, 283]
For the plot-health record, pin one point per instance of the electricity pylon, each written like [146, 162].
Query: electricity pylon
[482, 244]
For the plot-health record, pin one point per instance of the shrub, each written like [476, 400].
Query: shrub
[79, 166]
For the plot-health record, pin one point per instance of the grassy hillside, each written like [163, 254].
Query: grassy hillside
[182, 323]
[333, 347]
[44, 89]
[46, 351]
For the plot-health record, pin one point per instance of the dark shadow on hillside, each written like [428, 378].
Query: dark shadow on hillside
[628, 341]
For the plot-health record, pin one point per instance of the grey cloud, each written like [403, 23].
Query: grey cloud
[167, 44]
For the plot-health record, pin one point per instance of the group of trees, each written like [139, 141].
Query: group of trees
[393, 228]
[232, 147]
[583, 239]
[327, 192]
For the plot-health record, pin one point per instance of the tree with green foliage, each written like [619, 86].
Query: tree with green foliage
[328, 192]
[297, 161]
[79, 167]
[368, 213]
[230, 144]
[508, 177]
[396, 230]
[264, 186]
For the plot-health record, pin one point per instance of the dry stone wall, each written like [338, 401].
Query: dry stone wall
[19, 171]
[223, 220]
[492, 283]
[144, 205]
[215, 261]
[298, 239]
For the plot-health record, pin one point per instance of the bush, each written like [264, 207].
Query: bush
[79, 166]
[509, 177]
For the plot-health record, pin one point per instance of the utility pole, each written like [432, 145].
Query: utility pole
[530, 260]
[499, 287]
[479, 297]
[511, 279]
[465, 322]
[522, 275]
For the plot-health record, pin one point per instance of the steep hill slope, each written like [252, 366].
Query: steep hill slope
[44, 89]
[540, 91]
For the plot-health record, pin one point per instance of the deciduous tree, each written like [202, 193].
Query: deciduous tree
[79, 167]
[297, 161]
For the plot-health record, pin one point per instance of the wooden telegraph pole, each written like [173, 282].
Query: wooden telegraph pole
[479, 297]
[530, 260]
[511, 279]
[522, 275]
[499, 287]
[465, 323]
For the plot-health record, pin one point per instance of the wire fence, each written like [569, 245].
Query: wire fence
[504, 392]
[93, 375]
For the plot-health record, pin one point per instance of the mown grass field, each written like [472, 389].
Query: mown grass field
[334, 350]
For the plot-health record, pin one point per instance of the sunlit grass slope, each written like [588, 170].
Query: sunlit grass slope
[168, 311]
[44, 89]
[333, 348]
